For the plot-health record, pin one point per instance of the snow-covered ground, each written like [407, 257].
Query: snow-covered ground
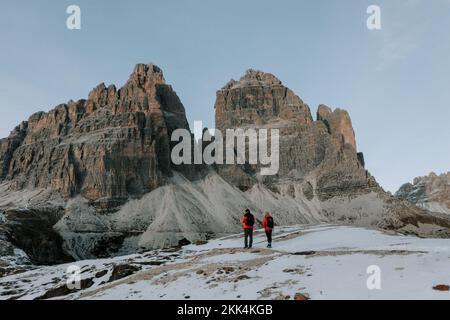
[320, 262]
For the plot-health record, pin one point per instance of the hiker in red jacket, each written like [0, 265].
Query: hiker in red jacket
[268, 227]
[248, 220]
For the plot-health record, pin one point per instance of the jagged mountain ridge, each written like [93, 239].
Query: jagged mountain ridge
[114, 144]
[326, 147]
[431, 192]
[97, 175]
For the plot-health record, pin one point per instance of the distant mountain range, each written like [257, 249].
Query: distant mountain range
[94, 178]
[431, 192]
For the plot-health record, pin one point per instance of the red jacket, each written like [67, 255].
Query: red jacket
[264, 224]
[245, 226]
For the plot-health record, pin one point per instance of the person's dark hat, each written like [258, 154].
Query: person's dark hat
[247, 211]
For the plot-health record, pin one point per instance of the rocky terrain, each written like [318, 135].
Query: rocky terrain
[93, 178]
[306, 262]
[431, 192]
[320, 155]
[319, 160]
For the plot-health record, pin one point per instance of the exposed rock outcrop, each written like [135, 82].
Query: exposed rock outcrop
[338, 123]
[113, 145]
[94, 178]
[258, 98]
[324, 149]
[430, 192]
[319, 162]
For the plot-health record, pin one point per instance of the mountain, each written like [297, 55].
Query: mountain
[320, 166]
[430, 192]
[107, 149]
[94, 178]
[111, 146]
[319, 155]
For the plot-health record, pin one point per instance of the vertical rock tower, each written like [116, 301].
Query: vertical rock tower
[114, 145]
[323, 150]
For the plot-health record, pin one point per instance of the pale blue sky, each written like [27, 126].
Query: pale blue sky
[394, 82]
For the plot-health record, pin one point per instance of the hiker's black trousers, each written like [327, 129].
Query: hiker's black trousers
[248, 236]
[269, 235]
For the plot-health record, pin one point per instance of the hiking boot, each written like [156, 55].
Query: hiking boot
[269, 245]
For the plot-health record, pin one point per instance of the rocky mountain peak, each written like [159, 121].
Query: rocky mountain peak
[94, 178]
[253, 78]
[113, 145]
[431, 192]
[146, 74]
[337, 122]
[258, 99]
[325, 148]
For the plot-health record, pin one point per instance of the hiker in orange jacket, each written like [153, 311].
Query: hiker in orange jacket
[268, 226]
[248, 221]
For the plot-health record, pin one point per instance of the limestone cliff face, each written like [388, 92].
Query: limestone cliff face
[431, 192]
[256, 99]
[321, 169]
[325, 147]
[113, 145]
[107, 149]
[338, 123]
[93, 178]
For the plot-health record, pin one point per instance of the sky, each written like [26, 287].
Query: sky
[395, 82]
